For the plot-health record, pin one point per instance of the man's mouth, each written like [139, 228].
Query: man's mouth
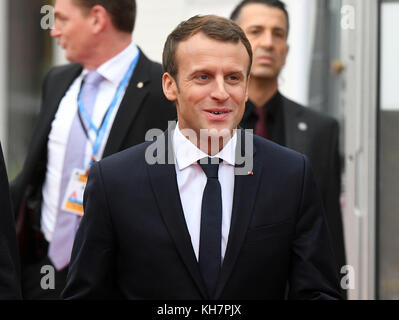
[219, 112]
[265, 58]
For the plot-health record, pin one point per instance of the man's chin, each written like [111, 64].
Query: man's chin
[70, 57]
[215, 133]
[214, 139]
[264, 73]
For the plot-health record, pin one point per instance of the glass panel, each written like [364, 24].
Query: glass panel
[388, 209]
[324, 84]
[29, 58]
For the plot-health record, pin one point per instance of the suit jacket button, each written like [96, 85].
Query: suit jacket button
[302, 126]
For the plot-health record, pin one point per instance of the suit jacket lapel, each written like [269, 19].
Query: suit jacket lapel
[130, 105]
[164, 183]
[56, 85]
[245, 191]
[296, 139]
[56, 93]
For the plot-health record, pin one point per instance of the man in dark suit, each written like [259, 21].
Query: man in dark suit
[10, 285]
[183, 217]
[273, 116]
[104, 102]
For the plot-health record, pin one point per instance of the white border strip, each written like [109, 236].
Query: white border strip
[3, 75]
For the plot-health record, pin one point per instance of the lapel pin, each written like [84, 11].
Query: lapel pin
[302, 126]
[250, 173]
[140, 85]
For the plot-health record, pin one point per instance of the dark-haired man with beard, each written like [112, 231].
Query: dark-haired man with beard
[273, 116]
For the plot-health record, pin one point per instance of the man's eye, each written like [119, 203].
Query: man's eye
[60, 21]
[233, 78]
[279, 35]
[202, 77]
[254, 32]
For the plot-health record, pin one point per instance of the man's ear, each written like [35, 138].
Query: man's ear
[247, 89]
[287, 50]
[100, 18]
[169, 86]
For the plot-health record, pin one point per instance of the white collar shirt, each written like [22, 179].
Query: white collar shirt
[191, 181]
[113, 72]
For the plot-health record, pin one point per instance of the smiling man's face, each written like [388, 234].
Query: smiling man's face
[212, 84]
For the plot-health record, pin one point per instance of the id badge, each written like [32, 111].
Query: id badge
[73, 199]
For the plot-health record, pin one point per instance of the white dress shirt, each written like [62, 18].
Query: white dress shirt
[191, 180]
[114, 70]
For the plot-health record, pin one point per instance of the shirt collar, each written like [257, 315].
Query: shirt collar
[115, 69]
[186, 153]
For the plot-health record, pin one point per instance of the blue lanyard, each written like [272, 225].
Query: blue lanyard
[100, 132]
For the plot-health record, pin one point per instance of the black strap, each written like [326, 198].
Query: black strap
[82, 122]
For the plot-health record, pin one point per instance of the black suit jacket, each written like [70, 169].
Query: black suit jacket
[10, 286]
[142, 108]
[133, 241]
[315, 135]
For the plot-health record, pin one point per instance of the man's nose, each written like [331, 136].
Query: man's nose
[55, 33]
[219, 91]
[267, 40]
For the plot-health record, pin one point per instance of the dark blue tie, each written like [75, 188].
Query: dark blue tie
[210, 258]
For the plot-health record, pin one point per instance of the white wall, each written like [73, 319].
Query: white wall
[389, 56]
[295, 78]
[156, 19]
